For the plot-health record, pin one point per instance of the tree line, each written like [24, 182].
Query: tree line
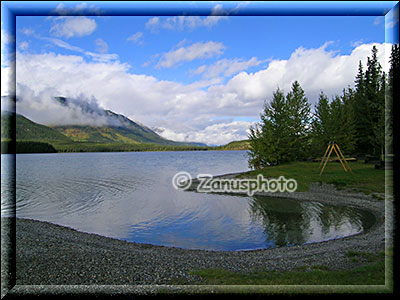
[355, 120]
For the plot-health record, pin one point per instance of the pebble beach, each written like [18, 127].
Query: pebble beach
[49, 254]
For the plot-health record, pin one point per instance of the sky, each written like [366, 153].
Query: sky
[191, 78]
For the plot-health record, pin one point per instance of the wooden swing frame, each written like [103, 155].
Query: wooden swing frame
[333, 146]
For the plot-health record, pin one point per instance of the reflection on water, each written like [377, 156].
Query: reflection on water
[129, 196]
[289, 221]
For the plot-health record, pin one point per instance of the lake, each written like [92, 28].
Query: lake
[130, 196]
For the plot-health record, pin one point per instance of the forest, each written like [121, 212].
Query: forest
[360, 120]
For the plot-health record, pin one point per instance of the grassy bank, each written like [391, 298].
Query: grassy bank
[365, 177]
[373, 273]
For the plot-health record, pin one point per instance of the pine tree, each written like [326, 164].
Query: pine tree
[268, 139]
[345, 125]
[279, 115]
[283, 133]
[369, 106]
[361, 112]
[392, 103]
[375, 102]
[378, 128]
[299, 122]
[321, 125]
[334, 122]
[258, 148]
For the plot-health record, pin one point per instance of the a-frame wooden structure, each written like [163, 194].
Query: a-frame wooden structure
[333, 146]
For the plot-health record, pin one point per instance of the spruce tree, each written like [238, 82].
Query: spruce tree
[258, 148]
[361, 112]
[269, 138]
[345, 125]
[334, 122]
[375, 97]
[321, 125]
[369, 107]
[279, 115]
[299, 119]
[392, 101]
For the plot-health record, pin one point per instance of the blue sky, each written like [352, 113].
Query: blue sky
[197, 78]
[241, 37]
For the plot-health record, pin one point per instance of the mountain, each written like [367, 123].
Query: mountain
[114, 129]
[125, 135]
[26, 130]
[118, 128]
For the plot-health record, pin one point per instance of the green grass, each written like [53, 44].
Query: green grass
[357, 256]
[372, 273]
[365, 177]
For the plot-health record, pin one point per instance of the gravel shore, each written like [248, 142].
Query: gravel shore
[48, 254]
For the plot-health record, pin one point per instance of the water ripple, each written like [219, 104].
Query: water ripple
[130, 196]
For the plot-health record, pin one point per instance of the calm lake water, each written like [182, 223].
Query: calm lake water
[130, 196]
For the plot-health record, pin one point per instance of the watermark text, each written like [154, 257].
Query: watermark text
[208, 184]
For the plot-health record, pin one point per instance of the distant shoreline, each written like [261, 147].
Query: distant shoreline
[30, 147]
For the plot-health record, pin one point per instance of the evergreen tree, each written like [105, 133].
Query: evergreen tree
[378, 127]
[375, 102]
[282, 134]
[344, 125]
[258, 148]
[279, 115]
[334, 122]
[369, 106]
[361, 112]
[299, 119]
[268, 139]
[392, 101]
[321, 125]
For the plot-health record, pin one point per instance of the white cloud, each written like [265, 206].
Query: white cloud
[227, 67]
[185, 22]
[378, 20]
[101, 46]
[136, 38]
[62, 44]
[315, 69]
[23, 45]
[153, 23]
[6, 38]
[392, 18]
[44, 109]
[215, 134]
[204, 111]
[69, 26]
[357, 43]
[7, 49]
[101, 57]
[81, 9]
[8, 80]
[27, 31]
[195, 51]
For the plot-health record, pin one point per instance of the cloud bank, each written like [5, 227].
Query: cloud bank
[204, 111]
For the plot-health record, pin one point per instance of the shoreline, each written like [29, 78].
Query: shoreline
[85, 258]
